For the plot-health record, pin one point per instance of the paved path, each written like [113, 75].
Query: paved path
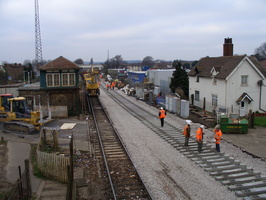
[253, 142]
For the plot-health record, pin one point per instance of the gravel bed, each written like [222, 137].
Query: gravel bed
[166, 172]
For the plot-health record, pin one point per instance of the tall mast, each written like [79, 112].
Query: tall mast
[38, 43]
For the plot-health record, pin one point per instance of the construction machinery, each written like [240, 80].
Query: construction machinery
[92, 87]
[20, 118]
[4, 104]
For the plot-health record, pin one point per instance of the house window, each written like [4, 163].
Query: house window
[68, 79]
[244, 80]
[197, 98]
[53, 80]
[214, 81]
[214, 100]
[197, 78]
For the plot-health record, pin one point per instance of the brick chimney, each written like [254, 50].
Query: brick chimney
[228, 47]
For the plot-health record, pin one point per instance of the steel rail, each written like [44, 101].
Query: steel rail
[229, 171]
[126, 182]
[102, 148]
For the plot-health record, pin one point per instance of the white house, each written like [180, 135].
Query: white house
[230, 84]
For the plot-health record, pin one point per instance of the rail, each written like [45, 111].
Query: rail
[229, 171]
[123, 177]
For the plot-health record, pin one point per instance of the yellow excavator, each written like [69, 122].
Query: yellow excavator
[4, 104]
[20, 118]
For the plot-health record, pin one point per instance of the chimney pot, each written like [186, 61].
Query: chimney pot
[228, 47]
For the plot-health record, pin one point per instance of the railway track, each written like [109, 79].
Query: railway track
[114, 161]
[244, 181]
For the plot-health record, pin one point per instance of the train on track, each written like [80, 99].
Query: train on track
[92, 87]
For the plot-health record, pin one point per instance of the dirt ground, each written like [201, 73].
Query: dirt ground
[5, 187]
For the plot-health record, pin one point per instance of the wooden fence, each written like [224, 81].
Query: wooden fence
[52, 165]
[260, 114]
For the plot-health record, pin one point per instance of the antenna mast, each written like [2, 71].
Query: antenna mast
[38, 43]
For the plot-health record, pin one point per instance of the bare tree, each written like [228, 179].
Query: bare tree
[147, 61]
[260, 52]
[79, 61]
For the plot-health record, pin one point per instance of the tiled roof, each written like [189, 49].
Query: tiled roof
[59, 63]
[225, 64]
[15, 71]
[263, 64]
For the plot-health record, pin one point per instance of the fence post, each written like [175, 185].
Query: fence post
[70, 170]
[20, 189]
[27, 169]
[55, 138]
[252, 120]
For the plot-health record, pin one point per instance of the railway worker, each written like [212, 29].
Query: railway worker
[113, 85]
[107, 86]
[199, 137]
[186, 132]
[162, 115]
[217, 136]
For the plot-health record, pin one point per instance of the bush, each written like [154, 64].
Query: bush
[260, 121]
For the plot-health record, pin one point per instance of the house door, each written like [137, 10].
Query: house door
[243, 108]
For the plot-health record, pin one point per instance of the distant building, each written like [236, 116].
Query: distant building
[14, 71]
[136, 77]
[161, 80]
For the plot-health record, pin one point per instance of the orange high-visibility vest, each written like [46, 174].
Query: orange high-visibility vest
[186, 131]
[199, 134]
[162, 114]
[218, 136]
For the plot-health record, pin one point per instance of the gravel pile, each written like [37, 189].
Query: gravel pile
[166, 172]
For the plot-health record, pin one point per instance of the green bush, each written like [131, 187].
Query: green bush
[260, 121]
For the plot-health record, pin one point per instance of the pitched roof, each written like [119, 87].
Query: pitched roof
[244, 96]
[15, 71]
[59, 63]
[224, 65]
[263, 64]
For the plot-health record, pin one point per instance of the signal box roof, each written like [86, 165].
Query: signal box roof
[59, 63]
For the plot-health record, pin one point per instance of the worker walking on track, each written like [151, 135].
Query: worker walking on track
[113, 85]
[199, 137]
[162, 115]
[186, 132]
[107, 86]
[217, 136]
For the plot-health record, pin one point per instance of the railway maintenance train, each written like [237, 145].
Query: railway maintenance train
[92, 87]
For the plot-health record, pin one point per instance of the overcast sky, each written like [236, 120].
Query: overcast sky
[134, 29]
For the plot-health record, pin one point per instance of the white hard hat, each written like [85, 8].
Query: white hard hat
[201, 126]
[161, 108]
[188, 121]
[217, 126]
